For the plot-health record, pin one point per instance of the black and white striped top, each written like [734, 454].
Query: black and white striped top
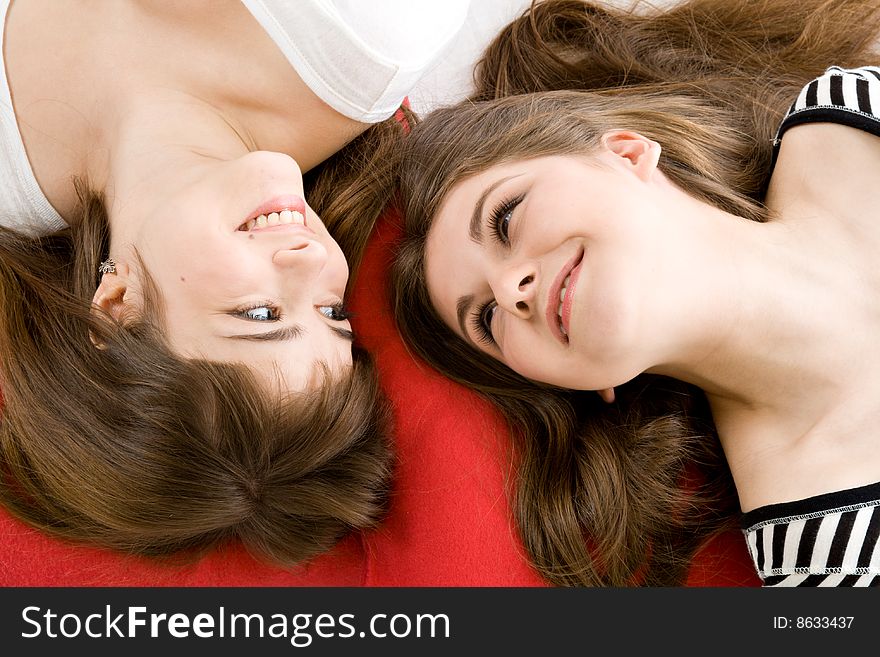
[847, 96]
[827, 540]
[831, 539]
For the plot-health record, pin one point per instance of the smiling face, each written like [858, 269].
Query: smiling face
[545, 264]
[246, 272]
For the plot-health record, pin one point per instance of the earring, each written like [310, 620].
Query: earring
[107, 267]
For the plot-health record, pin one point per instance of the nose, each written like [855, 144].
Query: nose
[302, 257]
[515, 290]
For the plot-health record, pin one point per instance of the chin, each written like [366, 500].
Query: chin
[562, 377]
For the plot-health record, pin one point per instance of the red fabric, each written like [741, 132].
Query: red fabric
[449, 523]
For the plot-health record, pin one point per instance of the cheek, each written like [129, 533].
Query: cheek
[554, 367]
[577, 366]
[442, 293]
[336, 268]
[200, 272]
[530, 355]
[210, 275]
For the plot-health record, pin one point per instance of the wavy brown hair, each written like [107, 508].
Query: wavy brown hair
[134, 448]
[620, 494]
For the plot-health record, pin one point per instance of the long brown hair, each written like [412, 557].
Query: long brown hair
[621, 494]
[131, 447]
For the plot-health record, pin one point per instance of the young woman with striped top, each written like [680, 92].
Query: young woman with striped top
[635, 206]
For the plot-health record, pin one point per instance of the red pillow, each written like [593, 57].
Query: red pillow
[449, 523]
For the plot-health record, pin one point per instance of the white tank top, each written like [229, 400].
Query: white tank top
[361, 58]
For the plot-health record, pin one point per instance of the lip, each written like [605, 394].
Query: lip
[283, 228]
[573, 268]
[277, 204]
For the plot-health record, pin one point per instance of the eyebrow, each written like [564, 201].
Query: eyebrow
[475, 227]
[345, 334]
[288, 333]
[461, 308]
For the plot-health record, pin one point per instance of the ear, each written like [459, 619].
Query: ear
[607, 395]
[112, 295]
[638, 153]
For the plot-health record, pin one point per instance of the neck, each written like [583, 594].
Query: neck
[127, 87]
[239, 89]
[759, 327]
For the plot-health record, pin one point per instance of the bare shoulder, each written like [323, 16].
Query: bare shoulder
[830, 166]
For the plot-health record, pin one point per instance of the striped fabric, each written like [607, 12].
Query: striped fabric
[827, 540]
[848, 96]
[830, 539]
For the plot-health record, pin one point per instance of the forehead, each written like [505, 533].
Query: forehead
[453, 262]
[292, 366]
[466, 190]
[453, 216]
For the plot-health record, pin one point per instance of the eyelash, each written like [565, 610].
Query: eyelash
[480, 326]
[499, 229]
[243, 311]
[338, 313]
[497, 226]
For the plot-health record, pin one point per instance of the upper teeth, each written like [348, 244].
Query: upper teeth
[274, 219]
[561, 301]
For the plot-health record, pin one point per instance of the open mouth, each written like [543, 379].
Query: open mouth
[282, 218]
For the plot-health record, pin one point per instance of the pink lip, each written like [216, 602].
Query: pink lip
[573, 267]
[285, 228]
[277, 204]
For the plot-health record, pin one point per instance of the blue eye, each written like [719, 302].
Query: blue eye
[261, 313]
[336, 312]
